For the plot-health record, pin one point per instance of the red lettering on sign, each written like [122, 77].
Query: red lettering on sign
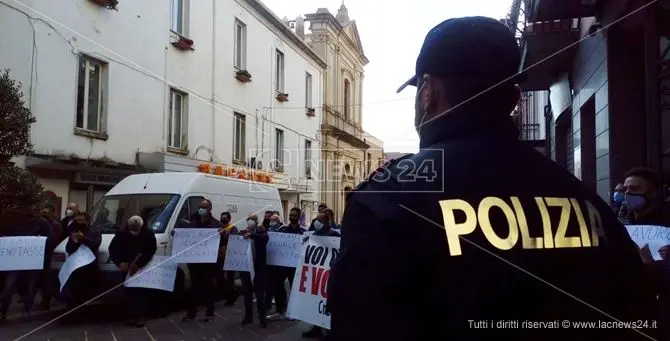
[317, 273]
[324, 284]
[303, 278]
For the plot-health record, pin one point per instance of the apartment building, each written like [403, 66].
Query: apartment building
[120, 87]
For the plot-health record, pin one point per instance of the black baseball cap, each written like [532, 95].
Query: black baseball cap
[469, 47]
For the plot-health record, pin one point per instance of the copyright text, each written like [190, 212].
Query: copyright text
[560, 324]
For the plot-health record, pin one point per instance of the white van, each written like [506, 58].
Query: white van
[162, 200]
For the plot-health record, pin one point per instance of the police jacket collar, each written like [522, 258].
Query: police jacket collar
[469, 122]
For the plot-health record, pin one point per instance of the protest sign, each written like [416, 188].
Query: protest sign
[309, 292]
[160, 273]
[284, 249]
[22, 253]
[653, 235]
[82, 257]
[239, 256]
[195, 245]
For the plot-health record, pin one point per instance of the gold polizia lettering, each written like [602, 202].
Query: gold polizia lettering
[546, 223]
[485, 222]
[455, 230]
[526, 241]
[596, 223]
[583, 229]
[560, 240]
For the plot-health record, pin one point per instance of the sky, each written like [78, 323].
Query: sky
[392, 36]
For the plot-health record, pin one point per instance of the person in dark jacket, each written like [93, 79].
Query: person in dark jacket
[273, 271]
[258, 286]
[227, 277]
[323, 226]
[132, 249]
[643, 193]
[70, 212]
[279, 274]
[478, 226]
[82, 284]
[320, 208]
[45, 282]
[203, 274]
[30, 227]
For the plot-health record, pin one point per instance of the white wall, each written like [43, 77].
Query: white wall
[135, 41]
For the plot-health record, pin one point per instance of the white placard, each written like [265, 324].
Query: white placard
[82, 257]
[309, 292]
[22, 253]
[160, 273]
[191, 245]
[284, 249]
[239, 256]
[655, 236]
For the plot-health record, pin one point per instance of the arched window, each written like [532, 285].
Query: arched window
[347, 90]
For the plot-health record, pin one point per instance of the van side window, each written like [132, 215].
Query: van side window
[189, 209]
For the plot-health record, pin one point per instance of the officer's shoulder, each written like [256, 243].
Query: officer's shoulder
[383, 174]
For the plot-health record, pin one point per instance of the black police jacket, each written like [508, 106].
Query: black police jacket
[479, 235]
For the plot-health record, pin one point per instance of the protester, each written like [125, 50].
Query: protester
[279, 274]
[29, 227]
[228, 277]
[425, 257]
[259, 239]
[274, 226]
[202, 274]
[45, 283]
[266, 219]
[320, 208]
[82, 284]
[323, 227]
[132, 249]
[70, 212]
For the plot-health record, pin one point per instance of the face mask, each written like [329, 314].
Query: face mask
[273, 224]
[251, 223]
[225, 221]
[318, 225]
[135, 232]
[418, 124]
[635, 202]
[69, 212]
[202, 212]
[618, 197]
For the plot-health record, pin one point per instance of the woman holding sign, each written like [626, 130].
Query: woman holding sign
[131, 249]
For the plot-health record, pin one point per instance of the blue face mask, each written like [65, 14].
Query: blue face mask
[618, 197]
[635, 202]
[202, 212]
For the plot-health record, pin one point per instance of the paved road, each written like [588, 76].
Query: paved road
[101, 323]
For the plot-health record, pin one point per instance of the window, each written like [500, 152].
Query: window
[90, 89]
[240, 45]
[177, 130]
[113, 211]
[308, 159]
[239, 137]
[279, 148]
[279, 71]
[308, 90]
[189, 210]
[178, 20]
[347, 90]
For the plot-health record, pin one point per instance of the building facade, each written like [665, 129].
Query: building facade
[174, 85]
[608, 98]
[343, 146]
[374, 156]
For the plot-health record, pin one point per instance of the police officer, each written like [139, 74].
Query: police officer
[478, 234]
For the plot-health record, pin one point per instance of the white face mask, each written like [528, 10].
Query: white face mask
[69, 212]
[273, 224]
[135, 232]
[251, 223]
[318, 225]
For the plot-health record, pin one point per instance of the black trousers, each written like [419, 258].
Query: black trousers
[81, 286]
[12, 281]
[258, 287]
[202, 288]
[137, 300]
[278, 277]
[228, 278]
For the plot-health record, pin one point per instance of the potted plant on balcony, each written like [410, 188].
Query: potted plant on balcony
[243, 76]
[183, 43]
[111, 4]
[310, 112]
[282, 97]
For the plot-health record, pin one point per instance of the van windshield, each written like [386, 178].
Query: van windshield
[113, 211]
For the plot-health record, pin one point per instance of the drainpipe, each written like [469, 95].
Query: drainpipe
[214, 73]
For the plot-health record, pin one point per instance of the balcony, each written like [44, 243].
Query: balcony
[548, 10]
[544, 51]
[336, 125]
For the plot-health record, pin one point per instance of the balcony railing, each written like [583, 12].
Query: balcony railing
[333, 120]
[529, 132]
